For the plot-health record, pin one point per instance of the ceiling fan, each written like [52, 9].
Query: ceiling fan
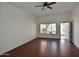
[46, 4]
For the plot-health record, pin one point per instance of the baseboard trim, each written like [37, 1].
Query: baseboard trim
[75, 45]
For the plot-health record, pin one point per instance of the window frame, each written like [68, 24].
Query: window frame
[48, 33]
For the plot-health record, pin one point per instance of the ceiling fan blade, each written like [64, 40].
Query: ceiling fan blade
[49, 7]
[42, 9]
[39, 6]
[51, 3]
[44, 3]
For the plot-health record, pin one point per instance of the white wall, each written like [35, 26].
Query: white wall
[75, 18]
[16, 27]
[58, 17]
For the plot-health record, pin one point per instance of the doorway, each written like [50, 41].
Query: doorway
[65, 31]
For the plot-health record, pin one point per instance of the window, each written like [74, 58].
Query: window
[48, 28]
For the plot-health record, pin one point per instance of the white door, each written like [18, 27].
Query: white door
[65, 31]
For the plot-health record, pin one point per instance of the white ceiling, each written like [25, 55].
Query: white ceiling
[36, 11]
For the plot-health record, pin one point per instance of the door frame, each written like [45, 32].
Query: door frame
[71, 26]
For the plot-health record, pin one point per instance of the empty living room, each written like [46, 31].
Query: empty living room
[39, 29]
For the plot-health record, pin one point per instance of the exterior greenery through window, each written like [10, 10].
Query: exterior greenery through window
[48, 28]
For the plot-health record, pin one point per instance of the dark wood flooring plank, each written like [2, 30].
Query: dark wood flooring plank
[45, 48]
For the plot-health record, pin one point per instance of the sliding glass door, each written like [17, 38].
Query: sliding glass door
[65, 30]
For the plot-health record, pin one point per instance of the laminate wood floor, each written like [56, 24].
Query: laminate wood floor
[41, 47]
